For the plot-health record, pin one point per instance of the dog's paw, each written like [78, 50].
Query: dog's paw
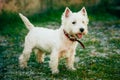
[23, 66]
[55, 71]
[72, 68]
[40, 60]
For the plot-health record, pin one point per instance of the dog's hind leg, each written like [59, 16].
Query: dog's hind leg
[24, 57]
[39, 55]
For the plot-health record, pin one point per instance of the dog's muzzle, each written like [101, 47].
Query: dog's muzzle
[73, 38]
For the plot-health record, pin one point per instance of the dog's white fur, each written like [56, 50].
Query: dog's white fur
[54, 41]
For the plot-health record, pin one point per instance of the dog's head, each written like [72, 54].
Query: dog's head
[75, 23]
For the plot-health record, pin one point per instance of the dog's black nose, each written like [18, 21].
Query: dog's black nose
[81, 29]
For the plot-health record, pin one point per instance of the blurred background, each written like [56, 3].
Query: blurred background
[51, 10]
[30, 7]
[99, 61]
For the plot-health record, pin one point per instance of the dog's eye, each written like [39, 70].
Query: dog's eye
[83, 22]
[73, 22]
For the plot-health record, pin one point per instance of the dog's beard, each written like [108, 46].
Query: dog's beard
[77, 36]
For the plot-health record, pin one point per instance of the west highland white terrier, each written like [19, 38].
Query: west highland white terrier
[59, 43]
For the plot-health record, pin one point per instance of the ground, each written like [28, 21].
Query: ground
[99, 61]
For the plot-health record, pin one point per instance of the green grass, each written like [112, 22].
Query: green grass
[99, 61]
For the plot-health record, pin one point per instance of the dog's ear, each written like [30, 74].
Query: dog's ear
[67, 12]
[83, 11]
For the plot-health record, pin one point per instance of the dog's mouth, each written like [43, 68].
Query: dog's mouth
[74, 36]
[79, 35]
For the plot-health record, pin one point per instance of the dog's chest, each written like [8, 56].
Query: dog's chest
[66, 49]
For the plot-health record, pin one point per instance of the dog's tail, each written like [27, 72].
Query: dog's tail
[28, 24]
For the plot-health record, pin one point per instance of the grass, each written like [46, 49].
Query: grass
[99, 61]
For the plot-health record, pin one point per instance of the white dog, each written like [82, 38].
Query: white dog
[60, 43]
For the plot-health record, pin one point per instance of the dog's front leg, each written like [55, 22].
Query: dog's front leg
[54, 61]
[70, 60]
